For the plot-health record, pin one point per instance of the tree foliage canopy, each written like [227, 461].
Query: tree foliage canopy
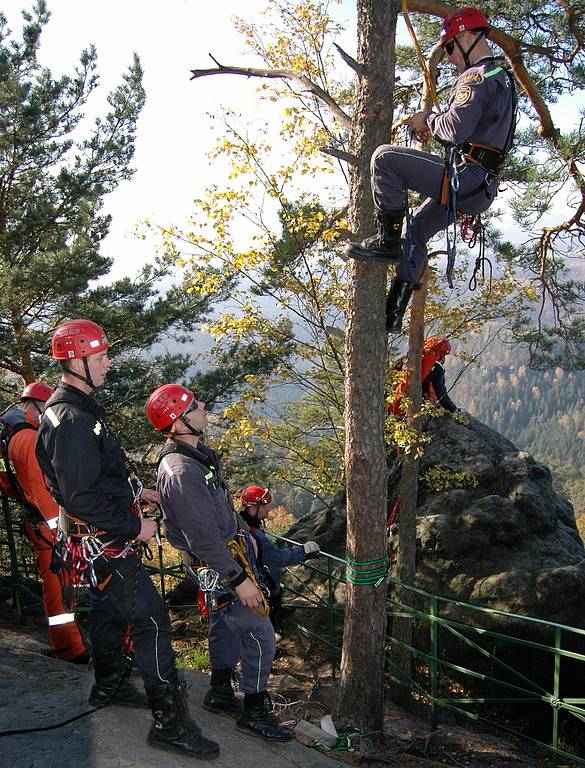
[288, 183]
[55, 170]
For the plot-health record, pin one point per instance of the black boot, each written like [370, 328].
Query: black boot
[220, 698]
[396, 304]
[259, 720]
[109, 669]
[386, 246]
[174, 729]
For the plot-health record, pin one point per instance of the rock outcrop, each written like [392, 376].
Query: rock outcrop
[506, 539]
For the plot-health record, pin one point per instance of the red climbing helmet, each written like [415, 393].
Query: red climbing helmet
[78, 338]
[254, 494]
[436, 345]
[464, 20]
[167, 404]
[36, 390]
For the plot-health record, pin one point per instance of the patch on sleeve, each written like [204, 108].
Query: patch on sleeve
[473, 77]
[463, 95]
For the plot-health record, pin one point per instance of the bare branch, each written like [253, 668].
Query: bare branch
[283, 74]
[358, 68]
[340, 155]
[435, 57]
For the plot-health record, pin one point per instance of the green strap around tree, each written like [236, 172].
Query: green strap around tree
[366, 573]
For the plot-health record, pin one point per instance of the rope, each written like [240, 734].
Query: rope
[422, 61]
[367, 573]
[453, 172]
[472, 231]
[345, 740]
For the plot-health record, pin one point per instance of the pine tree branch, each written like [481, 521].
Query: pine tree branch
[285, 74]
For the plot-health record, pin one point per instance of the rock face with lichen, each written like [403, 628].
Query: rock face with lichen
[505, 539]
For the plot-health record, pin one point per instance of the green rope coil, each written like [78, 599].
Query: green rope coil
[345, 740]
[366, 573]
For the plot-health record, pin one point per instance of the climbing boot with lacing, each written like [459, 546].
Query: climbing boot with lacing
[220, 698]
[173, 728]
[396, 304]
[257, 718]
[386, 245]
[111, 672]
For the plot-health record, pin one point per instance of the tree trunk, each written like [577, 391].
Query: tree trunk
[362, 664]
[26, 370]
[408, 491]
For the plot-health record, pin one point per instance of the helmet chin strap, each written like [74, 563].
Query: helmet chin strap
[466, 53]
[87, 378]
[196, 432]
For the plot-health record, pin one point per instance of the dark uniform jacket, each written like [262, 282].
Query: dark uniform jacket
[481, 108]
[436, 380]
[84, 463]
[271, 556]
[197, 508]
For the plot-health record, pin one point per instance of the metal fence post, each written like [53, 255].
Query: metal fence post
[556, 691]
[434, 660]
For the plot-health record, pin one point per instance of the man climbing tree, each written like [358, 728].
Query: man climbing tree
[477, 130]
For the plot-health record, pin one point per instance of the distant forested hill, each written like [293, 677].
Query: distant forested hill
[542, 412]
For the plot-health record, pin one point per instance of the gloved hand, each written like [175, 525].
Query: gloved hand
[311, 547]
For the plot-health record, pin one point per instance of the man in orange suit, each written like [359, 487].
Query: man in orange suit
[24, 481]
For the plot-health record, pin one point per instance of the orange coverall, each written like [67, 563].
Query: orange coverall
[64, 634]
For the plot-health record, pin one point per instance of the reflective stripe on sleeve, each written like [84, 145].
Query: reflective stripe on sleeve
[52, 416]
[52, 522]
[61, 618]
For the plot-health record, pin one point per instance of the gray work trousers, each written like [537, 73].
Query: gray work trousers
[235, 633]
[395, 169]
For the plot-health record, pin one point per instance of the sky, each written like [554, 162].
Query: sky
[173, 134]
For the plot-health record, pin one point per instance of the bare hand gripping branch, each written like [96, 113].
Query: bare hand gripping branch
[286, 74]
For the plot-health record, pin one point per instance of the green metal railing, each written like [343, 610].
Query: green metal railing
[446, 631]
[459, 654]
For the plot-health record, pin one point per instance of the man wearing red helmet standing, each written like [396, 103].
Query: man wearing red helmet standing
[200, 521]
[255, 508]
[92, 479]
[477, 130]
[24, 481]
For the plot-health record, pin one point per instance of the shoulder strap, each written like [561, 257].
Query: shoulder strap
[5, 437]
[184, 451]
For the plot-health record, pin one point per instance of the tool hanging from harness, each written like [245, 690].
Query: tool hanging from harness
[82, 559]
[217, 595]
